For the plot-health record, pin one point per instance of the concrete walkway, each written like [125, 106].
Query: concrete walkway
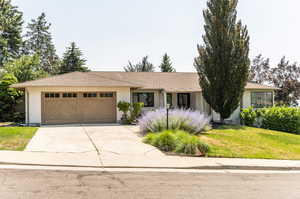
[91, 159]
[118, 147]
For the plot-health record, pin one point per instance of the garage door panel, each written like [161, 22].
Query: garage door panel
[79, 109]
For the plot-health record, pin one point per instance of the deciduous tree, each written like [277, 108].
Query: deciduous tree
[25, 68]
[286, 77]
[9, 97]
[143, 66]
[260, 71]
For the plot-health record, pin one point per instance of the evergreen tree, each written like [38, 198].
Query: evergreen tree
[10, 31]
[143, 66]
[72, 60]
[223, 62]
[166, 65]
[39, 41]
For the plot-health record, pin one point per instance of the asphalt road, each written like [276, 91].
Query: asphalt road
[43, 184]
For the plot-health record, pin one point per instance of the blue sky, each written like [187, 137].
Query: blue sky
[111, 32]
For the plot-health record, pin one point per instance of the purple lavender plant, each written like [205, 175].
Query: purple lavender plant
[179, 119]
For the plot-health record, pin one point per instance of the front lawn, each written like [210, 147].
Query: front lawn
[247, 142]
[15, 138]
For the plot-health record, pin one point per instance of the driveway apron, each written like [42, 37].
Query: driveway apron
[61, 139]
[120, 140]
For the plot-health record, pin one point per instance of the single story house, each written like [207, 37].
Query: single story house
[92, 97]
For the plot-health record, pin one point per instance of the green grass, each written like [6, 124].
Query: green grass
[247, 142]
[15, 138]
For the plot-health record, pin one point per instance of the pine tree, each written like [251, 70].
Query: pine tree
[10, 31]
[223, 62]
[143, 66]
[39, 41]
[72, 60]
[166, 65]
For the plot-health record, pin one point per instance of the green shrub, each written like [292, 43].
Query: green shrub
[248, 116]
[285, 119]
[124, 107]
[135, 111]
[191, 145]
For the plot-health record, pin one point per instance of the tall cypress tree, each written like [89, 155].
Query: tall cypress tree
[166, 65]
[72, 60]
[39, 41]
[223, 62]
[10, 31]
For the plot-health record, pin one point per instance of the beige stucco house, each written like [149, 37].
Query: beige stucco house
[92, 97]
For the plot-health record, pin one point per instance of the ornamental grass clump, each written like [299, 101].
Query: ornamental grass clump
[165, 141]
[180, 142]
[191, 145]
[179, 119]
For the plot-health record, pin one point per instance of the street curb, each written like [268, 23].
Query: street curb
[221, 167]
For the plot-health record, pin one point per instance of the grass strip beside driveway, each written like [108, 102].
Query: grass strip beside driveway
[247, 142]
[15, 138]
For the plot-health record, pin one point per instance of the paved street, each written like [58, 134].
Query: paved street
[37, 184]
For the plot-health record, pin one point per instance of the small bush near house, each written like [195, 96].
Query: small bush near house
[135, 111]
[248, 116]
[285, 119]
[177, 141]
[179, 119]
[124, 107]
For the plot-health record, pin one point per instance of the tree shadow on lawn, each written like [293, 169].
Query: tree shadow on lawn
[227, 126]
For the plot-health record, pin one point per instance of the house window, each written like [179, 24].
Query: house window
[169, 99]
[52, 95]
[69, 95]
[106, 94]
[89, 95]
[146, 98]
[261, 99]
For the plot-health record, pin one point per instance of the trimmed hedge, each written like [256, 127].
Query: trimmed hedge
[286, 119]
[282, 119]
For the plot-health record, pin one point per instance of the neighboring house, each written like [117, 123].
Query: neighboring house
[92, 97]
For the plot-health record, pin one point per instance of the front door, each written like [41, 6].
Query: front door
[184, 100]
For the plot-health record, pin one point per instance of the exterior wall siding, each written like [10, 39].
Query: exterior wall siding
[34, 98]
[245, 103]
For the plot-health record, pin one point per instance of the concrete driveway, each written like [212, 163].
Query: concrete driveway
[112, 143]
[61, 139]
